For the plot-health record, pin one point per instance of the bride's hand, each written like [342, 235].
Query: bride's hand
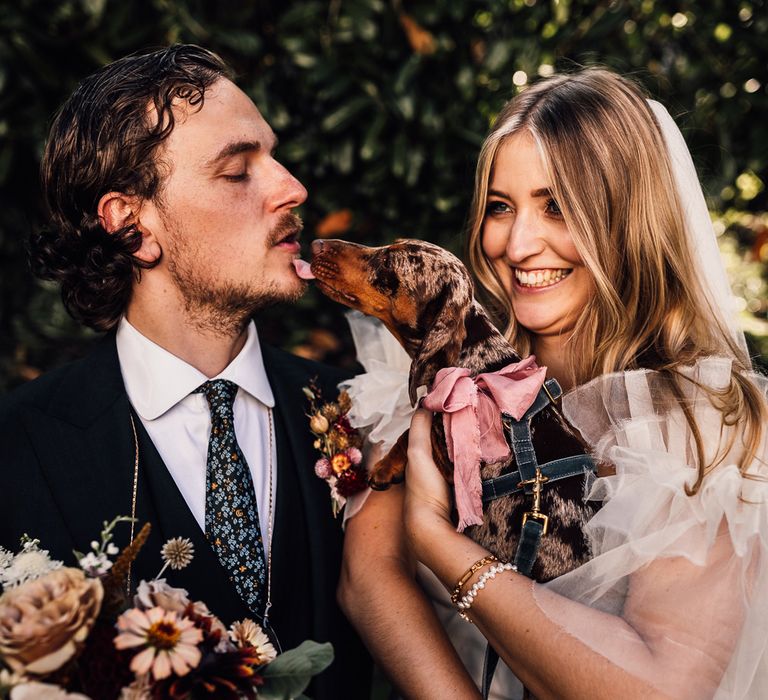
[427, 509]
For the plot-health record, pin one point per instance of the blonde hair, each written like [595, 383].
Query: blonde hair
[611, 177]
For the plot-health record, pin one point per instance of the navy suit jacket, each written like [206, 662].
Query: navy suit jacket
[67, 464]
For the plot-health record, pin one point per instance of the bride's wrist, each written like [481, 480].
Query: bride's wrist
[427, 529]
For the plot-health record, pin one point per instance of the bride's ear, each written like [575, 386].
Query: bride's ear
[117, 210]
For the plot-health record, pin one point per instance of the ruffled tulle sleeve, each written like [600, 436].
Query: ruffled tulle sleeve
[380, 403]
[687, 574]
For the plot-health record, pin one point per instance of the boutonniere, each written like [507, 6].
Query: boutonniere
[341, 464]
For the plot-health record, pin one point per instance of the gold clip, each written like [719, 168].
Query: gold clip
[543, 519]
[536, 513]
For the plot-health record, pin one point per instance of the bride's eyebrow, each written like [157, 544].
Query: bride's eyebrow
[542, 192]
[497, 193]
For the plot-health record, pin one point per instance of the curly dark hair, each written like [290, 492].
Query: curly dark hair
[103, 141]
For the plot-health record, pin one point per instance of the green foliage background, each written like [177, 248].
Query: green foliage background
[381, 108]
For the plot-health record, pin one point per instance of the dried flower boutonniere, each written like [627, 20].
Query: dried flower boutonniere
[342, 462]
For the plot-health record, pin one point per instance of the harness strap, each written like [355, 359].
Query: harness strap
[554, 471]
[533, 527]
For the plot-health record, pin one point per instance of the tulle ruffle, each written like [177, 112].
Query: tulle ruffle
[380, 400]
[381, 407]
[708, 552]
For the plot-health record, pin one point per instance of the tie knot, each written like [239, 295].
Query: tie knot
[220, 394]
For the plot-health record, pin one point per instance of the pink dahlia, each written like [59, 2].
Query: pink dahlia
[323, 468]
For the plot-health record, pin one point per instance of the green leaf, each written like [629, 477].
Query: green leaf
[342, 116]
[289, 674]
[372, 144]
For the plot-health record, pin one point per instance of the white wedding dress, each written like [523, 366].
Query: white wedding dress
[663, 561]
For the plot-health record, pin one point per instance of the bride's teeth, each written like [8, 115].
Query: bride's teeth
[540, 278]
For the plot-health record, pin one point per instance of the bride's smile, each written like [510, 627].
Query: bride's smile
[528, 243]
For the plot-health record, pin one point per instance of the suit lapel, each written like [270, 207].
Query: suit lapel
[85, 446]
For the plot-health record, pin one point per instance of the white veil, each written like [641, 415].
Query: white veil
[707, 554]
[701, 234]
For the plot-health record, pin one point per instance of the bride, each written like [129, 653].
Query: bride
[590, 239]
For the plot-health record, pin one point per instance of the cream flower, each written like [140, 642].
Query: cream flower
[43, 691]
[44, 622]
[138, 690]
[8, 679]
[178, 552]
[169, 642]
[248, 634]
[95, 564]
[26, 566]
[158, 593]
[6, 558]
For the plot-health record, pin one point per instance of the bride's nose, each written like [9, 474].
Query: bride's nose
[525, 239]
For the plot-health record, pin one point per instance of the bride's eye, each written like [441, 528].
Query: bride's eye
[553, 208]
[496, 207]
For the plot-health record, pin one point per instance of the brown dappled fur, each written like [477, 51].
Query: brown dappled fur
[424, 295]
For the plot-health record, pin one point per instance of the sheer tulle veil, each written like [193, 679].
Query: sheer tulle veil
[699, 226]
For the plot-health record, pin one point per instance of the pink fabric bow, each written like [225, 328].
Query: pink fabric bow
[472, 408]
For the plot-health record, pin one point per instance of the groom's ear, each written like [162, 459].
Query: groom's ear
[116, 210]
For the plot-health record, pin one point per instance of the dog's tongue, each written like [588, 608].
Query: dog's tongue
[303, 269]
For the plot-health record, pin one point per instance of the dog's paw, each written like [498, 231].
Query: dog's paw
[387, 471]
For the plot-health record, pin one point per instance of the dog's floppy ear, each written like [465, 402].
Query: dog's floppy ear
[444, 327]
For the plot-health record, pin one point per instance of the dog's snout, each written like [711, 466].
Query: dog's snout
[317, 246]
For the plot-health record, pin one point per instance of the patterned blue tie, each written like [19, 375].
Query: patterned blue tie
[231, 515]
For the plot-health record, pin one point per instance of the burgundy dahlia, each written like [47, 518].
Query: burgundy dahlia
[351, 481]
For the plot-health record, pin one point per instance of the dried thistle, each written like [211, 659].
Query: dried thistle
[177, 553]
[345, 403]
[330, 411]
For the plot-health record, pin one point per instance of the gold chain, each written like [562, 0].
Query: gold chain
[270, 522]
[133, 496]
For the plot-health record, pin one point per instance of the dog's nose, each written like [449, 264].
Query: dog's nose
[317, 246]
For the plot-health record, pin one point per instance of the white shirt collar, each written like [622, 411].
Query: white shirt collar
[157, 380]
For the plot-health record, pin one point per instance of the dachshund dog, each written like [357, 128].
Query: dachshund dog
[424, 295]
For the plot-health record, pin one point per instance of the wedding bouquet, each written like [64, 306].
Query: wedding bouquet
[75, 633]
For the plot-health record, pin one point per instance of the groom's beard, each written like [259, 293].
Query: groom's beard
[222, 306]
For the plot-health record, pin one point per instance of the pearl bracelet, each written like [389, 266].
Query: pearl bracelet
[469, 573]
[466, 601]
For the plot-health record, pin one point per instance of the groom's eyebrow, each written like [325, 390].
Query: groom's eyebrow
[233, 149]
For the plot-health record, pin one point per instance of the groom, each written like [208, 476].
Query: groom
[171, 223]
